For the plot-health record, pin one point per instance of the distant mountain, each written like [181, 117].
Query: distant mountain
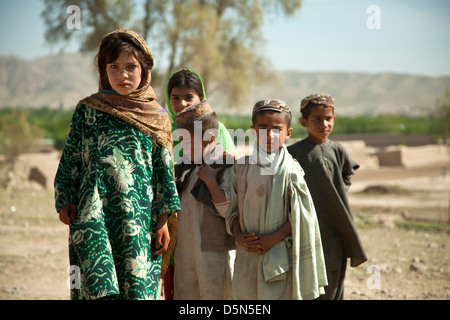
[54, 81]
[62, 80]
[360, 93]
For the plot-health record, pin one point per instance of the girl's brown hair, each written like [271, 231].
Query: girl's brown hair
[186, 78]
[110, 49]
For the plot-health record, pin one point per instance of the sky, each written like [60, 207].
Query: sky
[401, 36]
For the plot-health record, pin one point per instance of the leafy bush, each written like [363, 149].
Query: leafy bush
[48, 123]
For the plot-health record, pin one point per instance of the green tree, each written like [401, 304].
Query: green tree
[17, 136]
[221, 39]
[98, 17]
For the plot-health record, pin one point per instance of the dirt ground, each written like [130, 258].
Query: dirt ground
[401, 214]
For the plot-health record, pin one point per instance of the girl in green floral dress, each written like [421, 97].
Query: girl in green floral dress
[114, 185]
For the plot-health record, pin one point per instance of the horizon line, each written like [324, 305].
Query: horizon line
[370, 72]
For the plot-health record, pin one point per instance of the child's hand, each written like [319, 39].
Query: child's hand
[68, 213]
[263, 242]
[243, 239]
[208, 174]
[247, 241]
[162, 238]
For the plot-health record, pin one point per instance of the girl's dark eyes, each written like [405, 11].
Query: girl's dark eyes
[187, 98]
[131, 67]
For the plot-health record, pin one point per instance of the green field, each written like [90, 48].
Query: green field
[51, 125]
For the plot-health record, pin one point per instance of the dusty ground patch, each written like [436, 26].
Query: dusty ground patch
[403, 219]
[403, 263]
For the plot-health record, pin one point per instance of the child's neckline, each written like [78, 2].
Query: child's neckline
[110, 91]
[318, 144]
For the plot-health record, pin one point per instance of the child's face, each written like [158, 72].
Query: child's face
[124, 74]
[183, 97]
[320, 123]
[193, 149]
[271, 130]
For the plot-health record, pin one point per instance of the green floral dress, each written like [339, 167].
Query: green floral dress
[121, 181]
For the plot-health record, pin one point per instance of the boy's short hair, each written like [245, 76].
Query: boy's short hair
[199, 112]
[315, 100]
[307, 110]
[273, 105]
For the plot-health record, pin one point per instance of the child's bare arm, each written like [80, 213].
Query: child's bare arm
[236, 228]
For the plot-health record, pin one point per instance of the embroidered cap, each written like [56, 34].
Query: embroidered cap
[317, 98]
[193, 113]
[270, 105]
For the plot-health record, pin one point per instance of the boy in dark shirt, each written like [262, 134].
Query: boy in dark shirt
[328, 172]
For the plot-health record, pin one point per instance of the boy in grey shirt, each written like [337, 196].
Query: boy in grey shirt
[328, 172]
